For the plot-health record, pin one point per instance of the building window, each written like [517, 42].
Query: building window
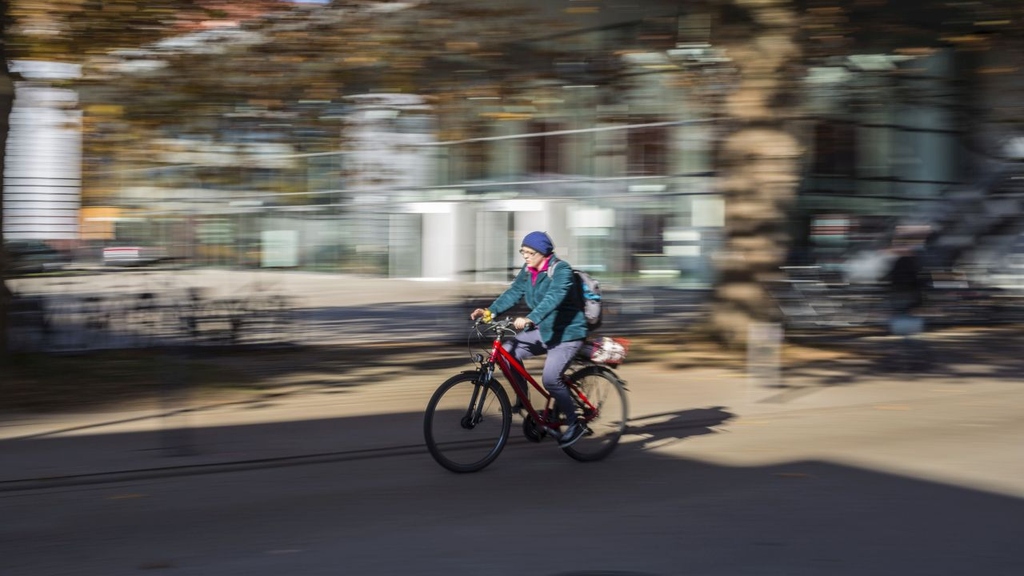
[647, 151]
[544, 152]
[477, 159]
[650, 234]
[835, 149]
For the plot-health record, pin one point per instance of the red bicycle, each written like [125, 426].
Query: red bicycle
[468, 419]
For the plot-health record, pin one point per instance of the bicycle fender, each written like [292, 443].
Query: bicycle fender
[597, 369]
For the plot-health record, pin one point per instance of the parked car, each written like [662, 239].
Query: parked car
[33, 256]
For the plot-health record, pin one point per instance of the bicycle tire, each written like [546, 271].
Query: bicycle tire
[457, 440]
[605, 391]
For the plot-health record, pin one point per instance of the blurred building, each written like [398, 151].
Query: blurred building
[607, 144]
[920, 138]
[623, 182]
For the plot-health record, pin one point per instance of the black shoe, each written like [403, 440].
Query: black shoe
[572, 435]
[518, 407]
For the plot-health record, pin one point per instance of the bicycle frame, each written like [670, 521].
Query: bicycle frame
[509, 366]
[450, 417]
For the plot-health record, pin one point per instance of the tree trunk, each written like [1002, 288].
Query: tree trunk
[6, 104]
[758, 161]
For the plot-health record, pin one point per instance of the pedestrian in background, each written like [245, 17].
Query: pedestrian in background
[906, 288]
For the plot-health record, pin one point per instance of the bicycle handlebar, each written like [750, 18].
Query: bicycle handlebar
[505, 327]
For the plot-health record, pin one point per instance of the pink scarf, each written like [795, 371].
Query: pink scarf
[534, 272]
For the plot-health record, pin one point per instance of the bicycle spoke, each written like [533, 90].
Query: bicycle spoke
[603, 408]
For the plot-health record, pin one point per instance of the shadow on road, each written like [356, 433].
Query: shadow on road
[640, 511]
[670, 427]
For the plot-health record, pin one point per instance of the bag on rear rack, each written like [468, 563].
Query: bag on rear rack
[605, 350]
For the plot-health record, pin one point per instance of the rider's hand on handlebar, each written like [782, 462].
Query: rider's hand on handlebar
[521, 323]
[482, 313]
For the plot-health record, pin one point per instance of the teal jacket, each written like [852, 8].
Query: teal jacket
[552, 308]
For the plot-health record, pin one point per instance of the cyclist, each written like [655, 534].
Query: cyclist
[555, 324]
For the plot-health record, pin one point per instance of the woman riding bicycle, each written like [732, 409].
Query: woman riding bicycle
[555, 325]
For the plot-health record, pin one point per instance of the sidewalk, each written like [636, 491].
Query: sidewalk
[138, 308]
[376, 410]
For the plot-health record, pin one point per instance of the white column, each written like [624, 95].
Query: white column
[43, 176]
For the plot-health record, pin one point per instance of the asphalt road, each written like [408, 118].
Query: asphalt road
[926, 486]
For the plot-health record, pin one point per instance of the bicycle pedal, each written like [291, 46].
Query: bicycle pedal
[553, 432]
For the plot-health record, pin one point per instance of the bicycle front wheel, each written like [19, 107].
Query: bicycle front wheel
[467, 423]
[601, 404]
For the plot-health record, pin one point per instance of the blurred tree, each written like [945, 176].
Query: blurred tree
[309, 54]
[293, 70]
[758, 160]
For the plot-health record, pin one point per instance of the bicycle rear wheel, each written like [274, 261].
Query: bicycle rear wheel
[467, 423]
[601, 404]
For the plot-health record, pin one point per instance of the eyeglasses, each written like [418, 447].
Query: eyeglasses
[528, 253]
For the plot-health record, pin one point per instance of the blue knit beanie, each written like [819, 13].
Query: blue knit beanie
[539, 241]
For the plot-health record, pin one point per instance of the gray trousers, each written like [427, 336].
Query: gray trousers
[528, 343]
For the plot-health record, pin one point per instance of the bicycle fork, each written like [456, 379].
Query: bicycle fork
[475, 410]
